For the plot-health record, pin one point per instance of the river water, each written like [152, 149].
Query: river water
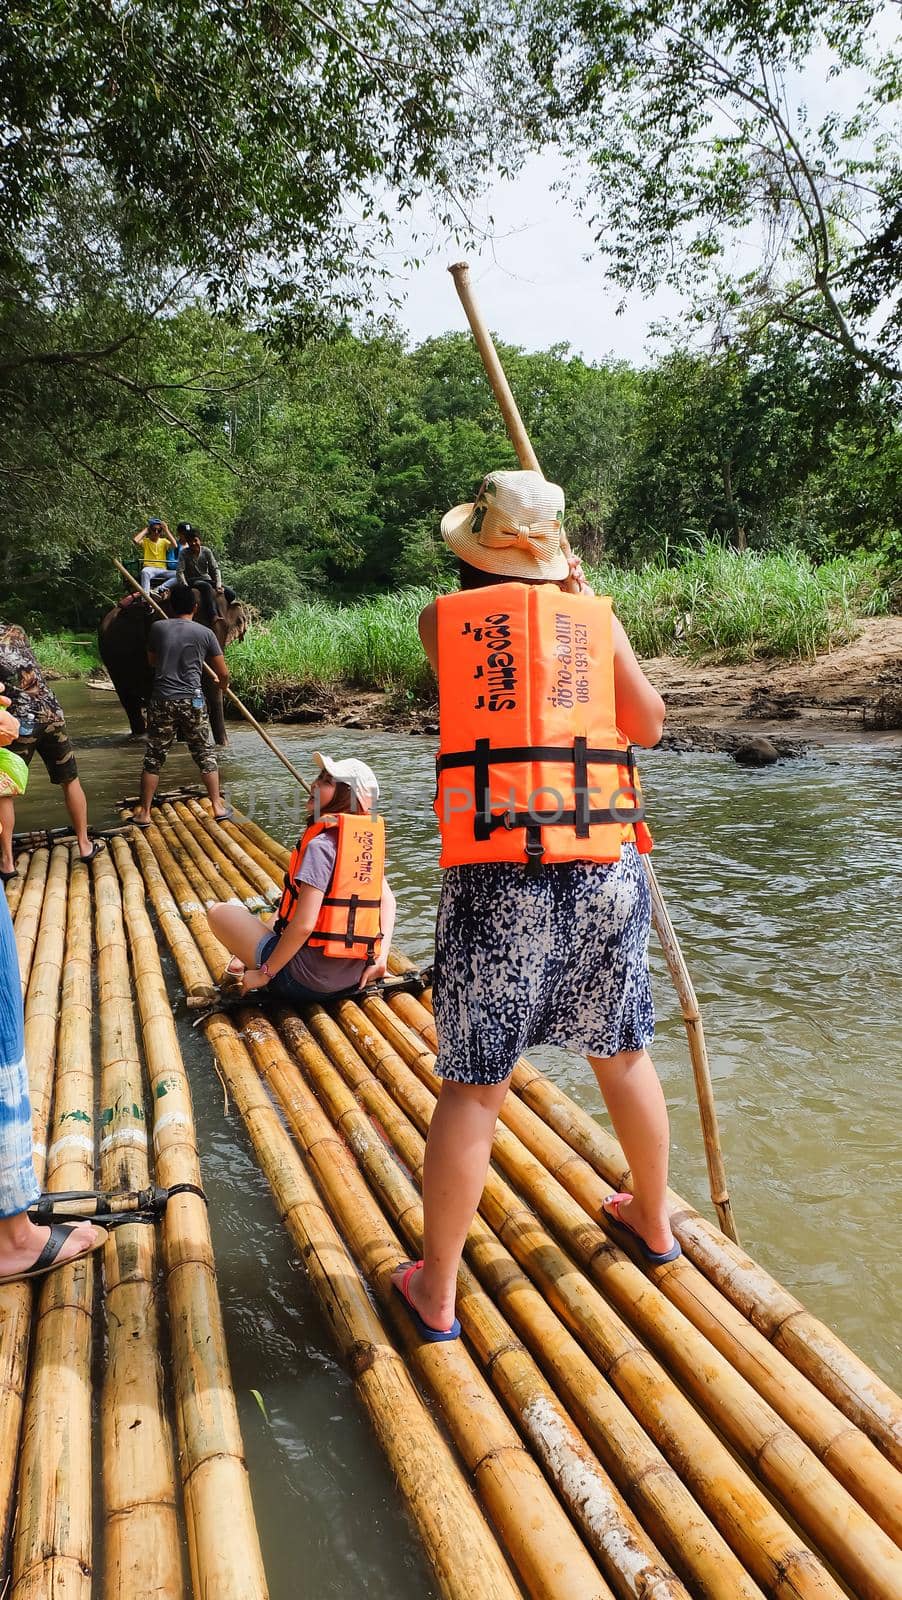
[785, 887]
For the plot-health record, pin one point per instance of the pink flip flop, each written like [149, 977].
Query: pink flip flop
[431, 1335]
[610, 1205]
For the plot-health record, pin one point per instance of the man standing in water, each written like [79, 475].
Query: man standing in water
[178, 649]
[42, 728]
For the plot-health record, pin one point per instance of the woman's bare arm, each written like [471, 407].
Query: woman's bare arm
[640, 709]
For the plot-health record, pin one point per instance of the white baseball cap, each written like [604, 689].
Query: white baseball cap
[360, 778]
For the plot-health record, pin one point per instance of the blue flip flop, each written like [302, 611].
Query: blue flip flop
[655, 1258]
[431, 1335]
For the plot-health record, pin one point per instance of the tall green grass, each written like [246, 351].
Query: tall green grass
[722, 606]
[716, 605]
[60, 655]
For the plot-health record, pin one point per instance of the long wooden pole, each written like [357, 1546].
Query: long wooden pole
[720, 1198]
[229, 693]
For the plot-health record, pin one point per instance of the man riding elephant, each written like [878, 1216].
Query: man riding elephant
[199, 569]
[123, 636]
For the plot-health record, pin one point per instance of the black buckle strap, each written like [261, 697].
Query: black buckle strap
[594, 756]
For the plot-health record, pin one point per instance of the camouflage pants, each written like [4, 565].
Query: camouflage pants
[178, 719]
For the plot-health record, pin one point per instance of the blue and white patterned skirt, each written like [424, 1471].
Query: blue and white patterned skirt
[19, 1187]
[556, 957]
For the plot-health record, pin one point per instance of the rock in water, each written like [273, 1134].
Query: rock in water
[757, 752]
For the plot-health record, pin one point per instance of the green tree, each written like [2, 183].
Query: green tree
[701, 151]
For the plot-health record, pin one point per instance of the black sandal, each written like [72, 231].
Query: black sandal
[48, 1260]
[97, 849]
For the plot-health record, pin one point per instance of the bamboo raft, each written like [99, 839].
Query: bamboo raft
[602, 1429]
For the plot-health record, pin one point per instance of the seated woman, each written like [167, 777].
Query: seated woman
[155, 542]
[334, 924]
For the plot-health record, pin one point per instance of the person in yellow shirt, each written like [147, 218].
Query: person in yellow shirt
[154, 540]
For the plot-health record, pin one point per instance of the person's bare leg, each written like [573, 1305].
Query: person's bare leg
[149, 784]
[8, 824]
[457, 1159]
[21, 1242]
[77, 806]
[636, 1105]
[239, 930]
[210, 781]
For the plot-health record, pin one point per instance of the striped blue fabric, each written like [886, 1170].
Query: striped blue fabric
[19, 1187]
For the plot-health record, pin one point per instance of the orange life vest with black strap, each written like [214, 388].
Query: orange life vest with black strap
[531, 764]
[348, 924]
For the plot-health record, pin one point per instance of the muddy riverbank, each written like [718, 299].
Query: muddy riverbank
[852, 690]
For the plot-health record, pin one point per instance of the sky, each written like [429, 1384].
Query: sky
[529, 252]
[528, 270]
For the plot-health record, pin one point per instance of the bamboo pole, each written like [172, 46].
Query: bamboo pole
[43, 949]
[665, 1506]
[847, 1452]
[240, 885]
[464, 1555]
[15, 887]
[860, 1550]
[228, 693]
[142, 1554]
[223, 1544]
[251, 862]
[192, 969]
[28, 913]
[676, 965]
[206, 868]
[156, 839]
[627, 1558]
[52, 1551]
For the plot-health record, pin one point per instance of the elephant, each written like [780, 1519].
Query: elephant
[122, 635]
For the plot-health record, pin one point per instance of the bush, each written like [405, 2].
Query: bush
[271, 586]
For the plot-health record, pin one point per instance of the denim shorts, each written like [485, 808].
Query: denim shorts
[283, 984]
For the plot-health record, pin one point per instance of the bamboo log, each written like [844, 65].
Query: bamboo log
[227, 692]
[846, 1451]
[465, 1558]
[760, 1537]
[223, 1544]
[627, 1557]
[208, 873]
[807, 1342]
[549, 1556]
[239, 884]
[42, 1000]
[252, 863]
[214, 954]
[52, 1551]
[142, 1554]
[15, 887]
[28, 913]
[673, 1518]
[277, 852]
[192, 969]
[40, 944]
[858, 1548]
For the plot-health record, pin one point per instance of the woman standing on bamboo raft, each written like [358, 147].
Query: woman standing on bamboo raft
[333, 927]
[26, 1251]
[544, 915]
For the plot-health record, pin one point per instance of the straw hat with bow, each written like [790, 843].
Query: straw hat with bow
[512, 528]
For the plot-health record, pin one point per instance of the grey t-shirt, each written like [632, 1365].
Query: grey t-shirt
[311, 967]
[181, 648]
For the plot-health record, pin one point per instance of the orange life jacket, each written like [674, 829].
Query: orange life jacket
[531, 764]
[348, 923]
